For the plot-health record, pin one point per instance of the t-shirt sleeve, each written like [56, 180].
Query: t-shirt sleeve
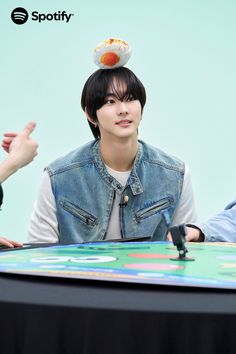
[186, 209]
[43, 225]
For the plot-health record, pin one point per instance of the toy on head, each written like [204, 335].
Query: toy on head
[112, 53]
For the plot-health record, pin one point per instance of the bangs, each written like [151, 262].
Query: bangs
[122, 88]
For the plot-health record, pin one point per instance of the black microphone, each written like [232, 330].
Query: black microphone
[124, 201]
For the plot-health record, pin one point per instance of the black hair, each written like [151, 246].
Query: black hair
[96, 88]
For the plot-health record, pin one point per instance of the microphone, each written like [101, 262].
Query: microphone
[124, 201]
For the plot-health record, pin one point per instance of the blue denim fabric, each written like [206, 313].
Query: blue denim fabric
[222, 226]
[84, 193]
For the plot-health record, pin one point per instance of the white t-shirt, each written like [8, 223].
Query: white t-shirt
[113, 230]
[44, 226]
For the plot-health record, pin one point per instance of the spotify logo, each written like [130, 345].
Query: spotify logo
[19, 16]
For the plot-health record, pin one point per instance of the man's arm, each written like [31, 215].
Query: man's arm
[186, 210]
[43, 225]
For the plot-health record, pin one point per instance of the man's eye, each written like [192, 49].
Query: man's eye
[109, 101]
[130, 98]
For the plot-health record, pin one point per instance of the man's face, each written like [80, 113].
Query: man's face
[119, 117]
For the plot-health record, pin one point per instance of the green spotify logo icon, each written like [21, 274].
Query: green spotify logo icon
[19, 15]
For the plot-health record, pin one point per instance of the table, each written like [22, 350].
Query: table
[57, 315]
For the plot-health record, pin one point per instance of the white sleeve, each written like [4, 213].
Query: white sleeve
[186, 210]
[43, 225]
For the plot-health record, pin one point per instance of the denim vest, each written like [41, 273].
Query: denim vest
[84, 194]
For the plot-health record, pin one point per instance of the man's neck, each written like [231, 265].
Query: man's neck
[120, 154]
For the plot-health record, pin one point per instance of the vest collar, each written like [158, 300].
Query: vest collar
[133, 181]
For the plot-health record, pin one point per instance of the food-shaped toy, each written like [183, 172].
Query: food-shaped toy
[112, 53]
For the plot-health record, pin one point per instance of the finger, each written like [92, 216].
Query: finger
[9, 243]
[7, 140]
[15, 243]
[5, 242]
[10, 134]
[29, 128]
[5, 146]
[168, 237]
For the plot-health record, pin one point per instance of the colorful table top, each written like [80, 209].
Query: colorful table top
[214, 265]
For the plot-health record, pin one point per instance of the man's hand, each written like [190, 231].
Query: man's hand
[193, 235]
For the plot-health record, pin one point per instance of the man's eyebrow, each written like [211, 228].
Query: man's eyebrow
[117, 95]
[111, 94]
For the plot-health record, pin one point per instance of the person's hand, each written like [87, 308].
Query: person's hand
[21, 147]
[9, 243]
[193, 235]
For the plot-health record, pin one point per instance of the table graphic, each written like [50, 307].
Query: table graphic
[214, 264]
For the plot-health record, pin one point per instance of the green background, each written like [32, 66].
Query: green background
[184, 53]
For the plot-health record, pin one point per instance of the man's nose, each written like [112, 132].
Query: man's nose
[123, 108]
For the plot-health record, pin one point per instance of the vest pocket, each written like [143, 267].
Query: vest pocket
[157, 207]
[79, 213]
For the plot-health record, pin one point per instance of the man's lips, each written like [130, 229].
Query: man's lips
[124, 122]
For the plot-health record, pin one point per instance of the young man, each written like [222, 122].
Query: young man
[115, 186]
[219, 228]
[21, 150]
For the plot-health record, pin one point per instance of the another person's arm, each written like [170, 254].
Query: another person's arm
[21, 150]
[219, 228]
[4, 241]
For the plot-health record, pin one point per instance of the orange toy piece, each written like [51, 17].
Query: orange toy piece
[110, 58]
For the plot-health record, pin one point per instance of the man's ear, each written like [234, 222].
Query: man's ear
[91, 120]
